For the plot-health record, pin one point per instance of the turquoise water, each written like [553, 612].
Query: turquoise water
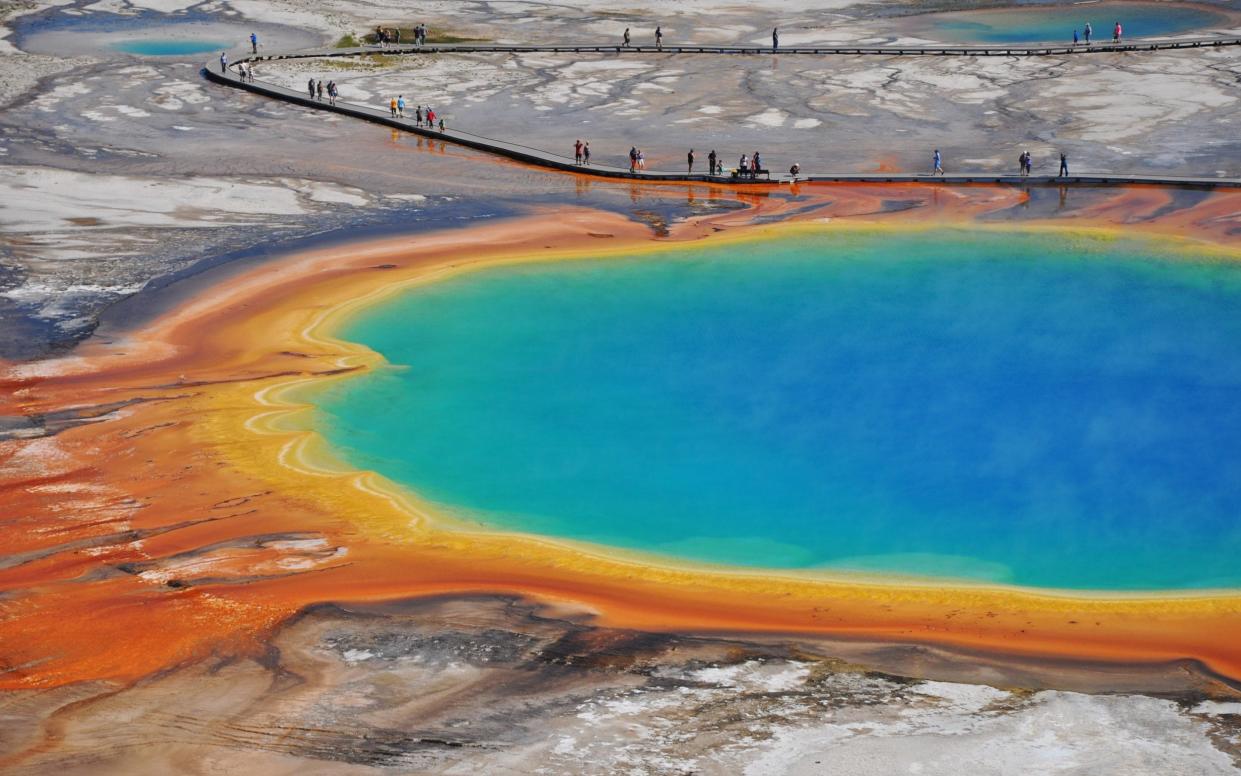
[1056, 23]
[1030, 408]
[168, 48]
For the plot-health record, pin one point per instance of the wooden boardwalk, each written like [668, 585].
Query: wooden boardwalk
[549, 160]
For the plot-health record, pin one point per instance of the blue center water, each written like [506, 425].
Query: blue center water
[1033, 408]
[1056, 23]
[168, 48]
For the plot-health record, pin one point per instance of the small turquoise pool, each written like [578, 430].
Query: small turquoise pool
[155, 47]
[1039, 408]
[1056, 23]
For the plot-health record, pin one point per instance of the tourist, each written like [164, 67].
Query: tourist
[223, 62]
[795, 170]
[331, 92]
[1074, 36]
[1021, 163]
[1064, 167]
[633, 158]
[319, 88]
[659, 39]
[626, 43]
[586, 153]
[1088, 32]
[939, 164]
[392, 106]
[396, 35]
[254, 43]
[430, 117]
[757, 164]
[250, 72]
[1116, 32]
[711, 157]
[577, 151]
[400, 106]
[1029, 163]
[641, 160]
[310, 87]
[441, 124]
[418, 116]
[690, 159]
[775, 39]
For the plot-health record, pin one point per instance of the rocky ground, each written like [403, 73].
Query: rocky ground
[500, 687]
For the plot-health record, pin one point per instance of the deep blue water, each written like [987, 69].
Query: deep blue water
[1034, 408]
[169, 47]
[1055, 23]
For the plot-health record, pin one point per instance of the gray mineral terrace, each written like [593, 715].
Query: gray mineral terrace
[233, 75]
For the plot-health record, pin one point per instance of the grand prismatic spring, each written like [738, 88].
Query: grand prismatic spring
[337, 446]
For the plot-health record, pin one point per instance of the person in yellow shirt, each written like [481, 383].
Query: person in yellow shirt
[392, 106]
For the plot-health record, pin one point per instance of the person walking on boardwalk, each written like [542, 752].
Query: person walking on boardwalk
[795, 170]
[577, 151]
[633, 158]
[690, 159]
[626, 43]
[418, 116]
[938, 169]
[319, 90]
[331, 92]
[757, 164]
[775, 39]
[641, 160]
[1064, 167]
[392, 106]
[400, 106]
[1029, 163]
[586, 153]
[310, 87]
[711, 157]
[1088, 32]
[254, 43]
[1116, 33]
[1074, 36]
[659, 39]
[1021, 163]
[430, 117]
[223, 62]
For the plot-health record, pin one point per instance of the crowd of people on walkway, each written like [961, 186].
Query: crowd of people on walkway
[581, 152]
[1088, 32]
[423, 116]
[317, 91]
[386, 35]
[1025, 164]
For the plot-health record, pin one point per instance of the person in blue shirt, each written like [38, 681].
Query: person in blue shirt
[254, 43]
